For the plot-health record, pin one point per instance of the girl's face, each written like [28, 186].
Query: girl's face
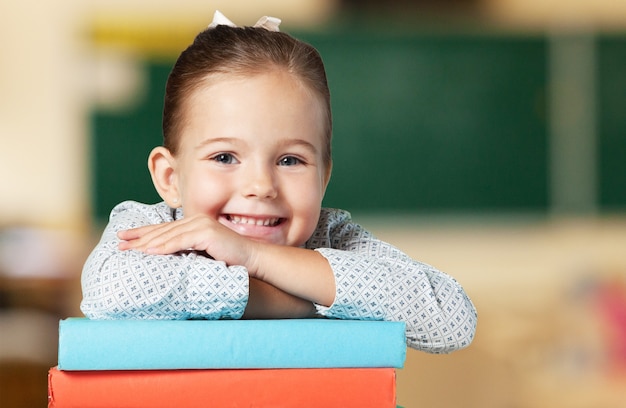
[250, 156]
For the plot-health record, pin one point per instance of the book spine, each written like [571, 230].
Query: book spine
[357, 387]
[163, 345]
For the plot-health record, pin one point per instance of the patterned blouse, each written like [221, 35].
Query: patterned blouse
[374, 281]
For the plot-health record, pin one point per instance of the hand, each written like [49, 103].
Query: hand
[198, 233]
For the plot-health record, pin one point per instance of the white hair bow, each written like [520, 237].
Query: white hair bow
[269, 23]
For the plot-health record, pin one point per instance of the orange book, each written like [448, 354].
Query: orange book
[275, 388]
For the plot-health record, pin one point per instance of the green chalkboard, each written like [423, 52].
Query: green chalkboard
[437, 123]
[121, 144]
[611, 75]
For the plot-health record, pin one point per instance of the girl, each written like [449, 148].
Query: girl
[240, 233]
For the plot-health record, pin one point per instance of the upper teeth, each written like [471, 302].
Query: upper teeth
[237, 219]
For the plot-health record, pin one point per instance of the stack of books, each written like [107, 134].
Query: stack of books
[226, 363]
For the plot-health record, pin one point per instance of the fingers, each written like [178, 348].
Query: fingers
[198, 233]
[176, 238]
[166, 238]
[136, 233]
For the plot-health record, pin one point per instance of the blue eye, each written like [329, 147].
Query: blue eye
[224, 158]
[289, 161]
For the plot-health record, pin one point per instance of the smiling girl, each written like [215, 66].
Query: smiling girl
[241, 232]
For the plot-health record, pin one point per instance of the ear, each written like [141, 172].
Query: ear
[162, 166]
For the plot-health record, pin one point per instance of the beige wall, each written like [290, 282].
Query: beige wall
[554, 14]
[42, 126]
[542, 339]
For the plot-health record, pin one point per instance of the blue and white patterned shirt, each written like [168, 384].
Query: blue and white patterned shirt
[374, 280]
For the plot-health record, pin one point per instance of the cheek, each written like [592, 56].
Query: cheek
[308, 193]
[204, 194]
[306, 226]
[307, 203]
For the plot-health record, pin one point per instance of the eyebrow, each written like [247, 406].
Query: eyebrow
[300, 142]
[290, 142]
[212, 140]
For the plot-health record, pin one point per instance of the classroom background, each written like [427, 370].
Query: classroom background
[486, 137]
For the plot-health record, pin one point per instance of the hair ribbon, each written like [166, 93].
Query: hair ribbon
[269, 23]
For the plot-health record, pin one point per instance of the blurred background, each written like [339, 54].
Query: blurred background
[485, 137]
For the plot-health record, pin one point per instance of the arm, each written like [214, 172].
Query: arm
[132, 284]
[187, 284]
[375, 280]
[301, 273]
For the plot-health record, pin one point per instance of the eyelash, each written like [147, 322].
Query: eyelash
[229, 158]
[224, 158]
[295, 160]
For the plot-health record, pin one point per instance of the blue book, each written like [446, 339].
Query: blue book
[229, 344]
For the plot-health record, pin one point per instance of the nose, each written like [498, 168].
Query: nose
[260, 183]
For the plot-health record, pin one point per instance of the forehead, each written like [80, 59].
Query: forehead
[275, 100]
[275, 76]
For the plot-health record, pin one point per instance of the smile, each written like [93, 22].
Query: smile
[261, 222]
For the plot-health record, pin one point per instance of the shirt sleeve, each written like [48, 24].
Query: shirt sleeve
[130, 284]
[376, 281]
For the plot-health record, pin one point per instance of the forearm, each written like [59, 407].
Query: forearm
[268, 302]
[129, 284]
[439, 315]
[303, 273]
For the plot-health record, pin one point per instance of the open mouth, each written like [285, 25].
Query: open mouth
[260, 222]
